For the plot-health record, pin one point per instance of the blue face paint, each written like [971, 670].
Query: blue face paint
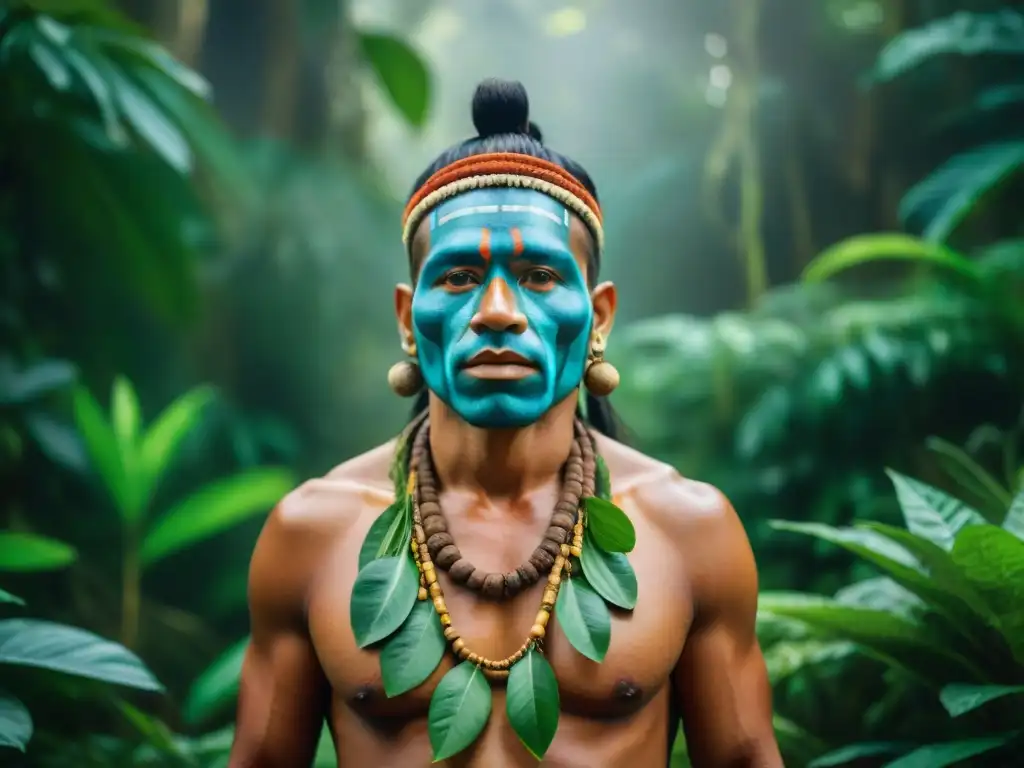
[512, 245]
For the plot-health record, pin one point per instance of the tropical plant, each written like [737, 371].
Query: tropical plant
[132, 461]
[946, 613]
[46, 647]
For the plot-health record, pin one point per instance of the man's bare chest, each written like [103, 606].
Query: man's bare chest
[644, 649]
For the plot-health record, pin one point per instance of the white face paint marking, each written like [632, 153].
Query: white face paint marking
[481, 209]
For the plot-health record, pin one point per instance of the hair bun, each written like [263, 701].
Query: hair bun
[501, 106]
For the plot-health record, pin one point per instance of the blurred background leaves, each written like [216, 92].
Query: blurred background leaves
[811, 219]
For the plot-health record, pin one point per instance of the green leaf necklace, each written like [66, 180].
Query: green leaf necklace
[397, 598]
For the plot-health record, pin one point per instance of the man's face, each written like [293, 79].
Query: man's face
[501, 313]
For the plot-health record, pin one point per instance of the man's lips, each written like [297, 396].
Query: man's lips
[500, 365]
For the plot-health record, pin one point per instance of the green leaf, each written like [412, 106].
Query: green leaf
[101, 444]
[961, 699]
[968, 473]
[60, 648]
[7, 597]
[15, 723]
[1014, 521]
[943, 201]
[930, 513]
[413, 653]
[992, 561]
[957, 34]
[892, 638]
[915, 563]
[214, 508]
[165, 434]
[217, 686]
[374, 542]
[126, 415]
[27, 553]
[532, 702]
[787, 657]
[852, 752]
[402, 73]
[868, 249]
[945, 589]
[459, 710]
[18, 387]
[398, 536]
[382, 597]
[584, 618]
[611, 528]
[609, 573]
[950, 753]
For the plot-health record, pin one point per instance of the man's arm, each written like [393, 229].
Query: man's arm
[721, 680]
[283, 696]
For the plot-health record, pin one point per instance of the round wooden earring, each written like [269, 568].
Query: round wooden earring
[601, 377]
[405, 377]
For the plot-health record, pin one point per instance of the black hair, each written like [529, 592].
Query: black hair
[501, 116]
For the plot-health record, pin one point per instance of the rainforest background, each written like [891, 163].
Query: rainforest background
[814, 215]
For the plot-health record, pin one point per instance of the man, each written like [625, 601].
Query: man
[503, 324]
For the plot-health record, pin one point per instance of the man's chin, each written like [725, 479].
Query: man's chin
[503, 411]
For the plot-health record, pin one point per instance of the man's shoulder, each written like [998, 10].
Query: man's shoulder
[337, 499]
[678, 504]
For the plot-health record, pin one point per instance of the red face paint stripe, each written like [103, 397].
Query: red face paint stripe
[517, 241]
[485, 245]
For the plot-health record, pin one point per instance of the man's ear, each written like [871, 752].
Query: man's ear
[605, 299]
[403, 313]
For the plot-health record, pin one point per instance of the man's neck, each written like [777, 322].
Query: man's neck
[503, 463]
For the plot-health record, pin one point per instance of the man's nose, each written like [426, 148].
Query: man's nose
[498, 311]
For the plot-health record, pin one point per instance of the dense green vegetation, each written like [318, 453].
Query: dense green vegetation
[153, 405]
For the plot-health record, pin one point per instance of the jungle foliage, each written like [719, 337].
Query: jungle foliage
[132, 508]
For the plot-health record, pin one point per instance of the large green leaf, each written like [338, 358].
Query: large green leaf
[414, 652]
[959, 34]
[15, 723]
[868, 249]
[940, 203]
[992, 561]
[101, 443]
[584, 618]
[1014, 521]
[459, 710]
[214, 508]
[61, 648]
[961, 699]
[217, 686]
[931, 513]
[382, 597]
[532, 702]
[851, 752]
[609, 573]
[892, 638]
[787, 657]
[125, 414]
[610, 526]
[402, 73]
[951, 753]
[161, 440]
[27, 552]
[949, 591]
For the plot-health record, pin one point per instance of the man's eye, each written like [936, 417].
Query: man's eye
[539, 278]
[460, 279]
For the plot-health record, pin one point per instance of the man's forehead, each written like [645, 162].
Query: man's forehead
[501, 208]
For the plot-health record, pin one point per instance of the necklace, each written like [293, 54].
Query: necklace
[398, 603]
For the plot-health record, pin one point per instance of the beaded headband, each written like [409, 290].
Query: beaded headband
[503, 169]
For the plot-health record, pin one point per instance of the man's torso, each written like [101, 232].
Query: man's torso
[613, 713]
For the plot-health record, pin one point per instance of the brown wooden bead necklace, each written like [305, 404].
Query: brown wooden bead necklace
[577, 483]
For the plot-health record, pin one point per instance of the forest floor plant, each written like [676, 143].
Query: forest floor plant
[948, 614]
